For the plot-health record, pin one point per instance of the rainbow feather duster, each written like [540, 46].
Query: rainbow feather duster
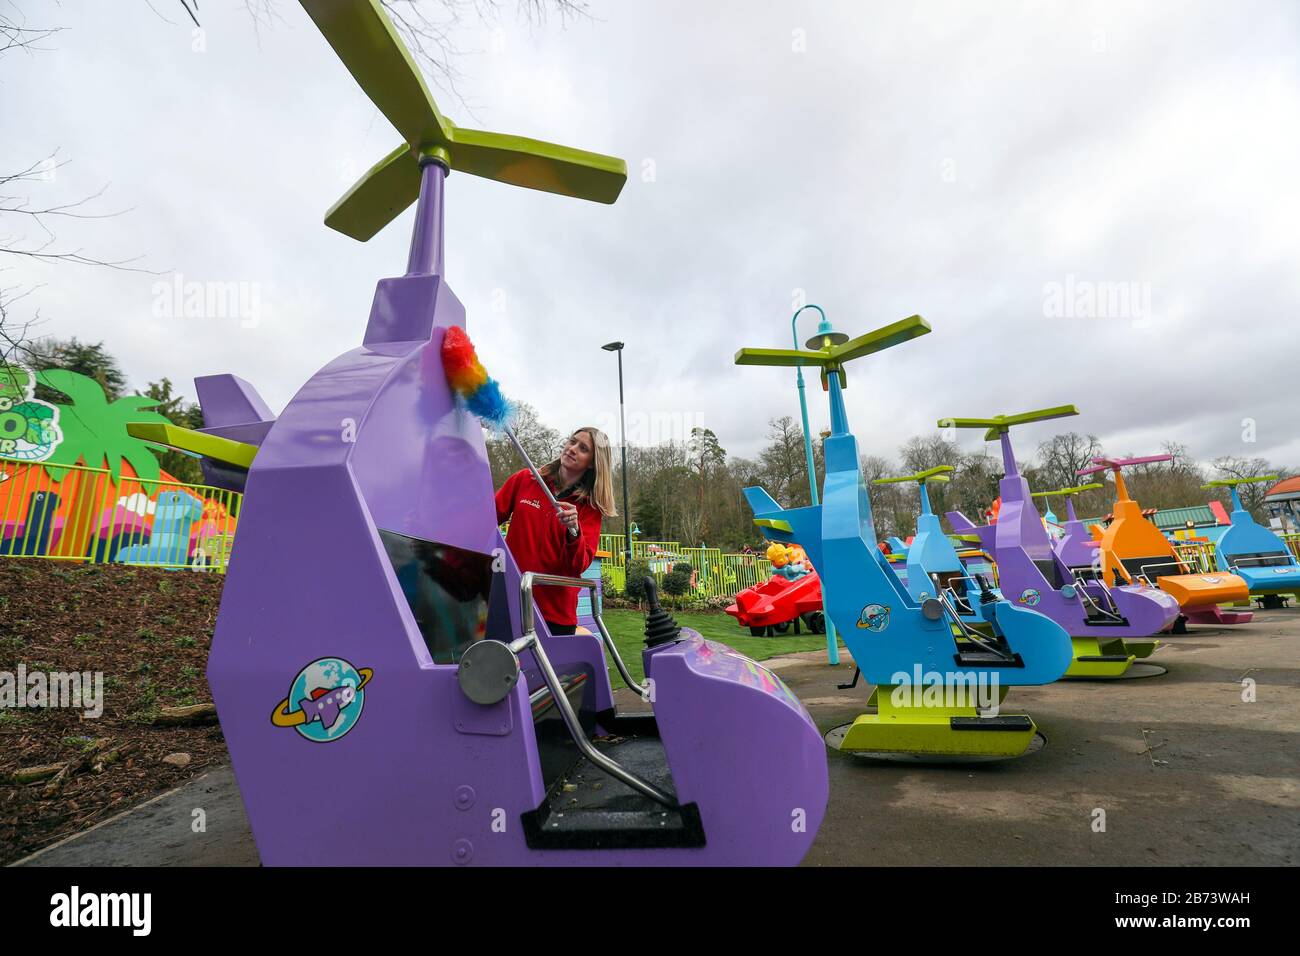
[481, 394]
[470, 381]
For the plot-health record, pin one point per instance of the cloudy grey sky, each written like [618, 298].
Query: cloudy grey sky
[973, 163]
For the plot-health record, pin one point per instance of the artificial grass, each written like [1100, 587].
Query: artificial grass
[628, 630]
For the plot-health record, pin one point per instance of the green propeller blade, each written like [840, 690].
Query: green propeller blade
[939, 473]
[377, 198]
[832, 357]
[369, 46]
[999, 424]
[1233, 482]
[534, 164]
[200, 443]
[883, 338]
[365, 40]
[1067, 491]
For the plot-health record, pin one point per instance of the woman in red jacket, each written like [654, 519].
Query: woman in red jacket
[582, 481]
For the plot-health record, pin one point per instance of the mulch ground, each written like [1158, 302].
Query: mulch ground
[148, 631]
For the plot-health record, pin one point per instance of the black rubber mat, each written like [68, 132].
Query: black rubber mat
[585, 807]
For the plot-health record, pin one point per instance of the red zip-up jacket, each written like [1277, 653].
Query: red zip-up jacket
[540, 542]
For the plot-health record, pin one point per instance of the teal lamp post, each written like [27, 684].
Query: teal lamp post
[825, 336]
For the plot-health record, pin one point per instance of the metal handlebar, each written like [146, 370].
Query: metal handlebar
[530, 641]
[1081, 588]
[1263, 558]
[1176, 562]
[967, 631]
[529, 617]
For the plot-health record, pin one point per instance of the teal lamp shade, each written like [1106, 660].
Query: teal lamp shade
[825, 337]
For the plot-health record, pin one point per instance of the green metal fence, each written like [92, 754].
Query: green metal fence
[643, 550]
[87, 517]
[1292, 542]
[717, 575]
[1200, 556]
[1197, 555]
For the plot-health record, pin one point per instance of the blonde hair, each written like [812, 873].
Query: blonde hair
[596, 486]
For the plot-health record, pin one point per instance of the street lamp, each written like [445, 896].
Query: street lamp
[824, 338]
[622, 439]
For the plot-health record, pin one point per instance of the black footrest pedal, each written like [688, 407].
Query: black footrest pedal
[1011, 723]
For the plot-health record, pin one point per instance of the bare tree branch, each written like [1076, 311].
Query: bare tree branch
[430, 35]
[78, 257]
[14, 206]
[429, 26]
[14, 336]
[16, 35]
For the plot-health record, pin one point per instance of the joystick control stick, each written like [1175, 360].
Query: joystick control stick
[660, 628]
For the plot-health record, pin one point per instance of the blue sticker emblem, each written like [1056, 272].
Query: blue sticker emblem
[1030, 597]
[874, 617]
[325, 700]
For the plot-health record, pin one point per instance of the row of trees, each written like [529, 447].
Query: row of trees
[692, 491]
[689, 491]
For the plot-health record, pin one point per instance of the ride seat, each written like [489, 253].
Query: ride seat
[1157, 566]
[1051, 571]
[541, 700]
[1262, 559]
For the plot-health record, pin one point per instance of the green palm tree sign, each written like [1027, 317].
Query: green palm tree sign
[95, 434]
[95, 430]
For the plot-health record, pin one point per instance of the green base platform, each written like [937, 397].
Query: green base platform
[1096, 658]
[948, 729]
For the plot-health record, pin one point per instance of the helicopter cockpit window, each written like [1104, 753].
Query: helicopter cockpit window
[448, 590]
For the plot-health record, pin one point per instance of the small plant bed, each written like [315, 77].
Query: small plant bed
[147, 632]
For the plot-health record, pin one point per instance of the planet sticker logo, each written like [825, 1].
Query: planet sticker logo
[1209, 580]
[874, 617]
[325, 700]
[1030, 596]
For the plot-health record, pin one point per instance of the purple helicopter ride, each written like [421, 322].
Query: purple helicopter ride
[1111, 626]
[395, 700]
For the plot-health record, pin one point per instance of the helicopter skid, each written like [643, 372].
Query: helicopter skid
[1213, 614]
[903, 727]
[1095, 658]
